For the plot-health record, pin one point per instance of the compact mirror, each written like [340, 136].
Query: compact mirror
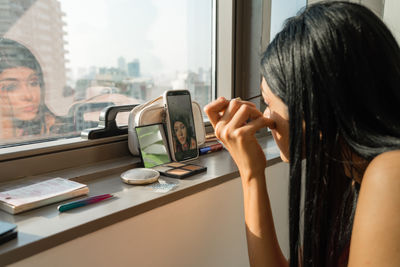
[140, 176]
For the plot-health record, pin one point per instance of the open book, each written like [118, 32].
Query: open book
[40, 194]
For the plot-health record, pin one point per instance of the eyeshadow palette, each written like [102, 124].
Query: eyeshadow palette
[155, 154]
[179, 170]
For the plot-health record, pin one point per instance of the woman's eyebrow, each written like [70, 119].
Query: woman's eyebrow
[9, 79]
[33, 75]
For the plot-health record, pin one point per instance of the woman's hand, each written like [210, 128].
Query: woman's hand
[235, 123]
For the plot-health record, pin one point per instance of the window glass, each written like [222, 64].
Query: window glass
[63, 61]
[282, 10]
[391, 17]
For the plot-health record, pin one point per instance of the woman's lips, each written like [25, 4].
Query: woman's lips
[30, 109]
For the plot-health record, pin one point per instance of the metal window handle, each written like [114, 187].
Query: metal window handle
[107, 124]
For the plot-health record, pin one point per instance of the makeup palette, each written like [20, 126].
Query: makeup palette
[179, 170]
[155, 154]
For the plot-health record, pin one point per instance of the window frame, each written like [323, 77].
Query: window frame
[253, 23]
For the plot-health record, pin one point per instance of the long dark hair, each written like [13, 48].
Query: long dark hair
[13, 55]
[337, 68]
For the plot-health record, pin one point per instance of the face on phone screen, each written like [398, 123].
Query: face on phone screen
[182, 126]
[152, 143]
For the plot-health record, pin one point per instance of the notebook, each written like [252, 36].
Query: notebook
[40, 194]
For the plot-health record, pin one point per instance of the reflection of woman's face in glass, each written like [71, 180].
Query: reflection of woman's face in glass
[180, 132]
[20, 92]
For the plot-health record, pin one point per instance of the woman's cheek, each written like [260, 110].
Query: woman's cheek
[37, 96]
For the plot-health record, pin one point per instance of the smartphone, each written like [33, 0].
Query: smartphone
[180, 125]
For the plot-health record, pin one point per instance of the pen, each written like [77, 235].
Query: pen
[83, 202]
[209, 149]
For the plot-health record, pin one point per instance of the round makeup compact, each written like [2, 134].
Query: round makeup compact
[140, 176]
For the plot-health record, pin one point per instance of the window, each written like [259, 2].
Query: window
[66, 154]
[282, 10]
[257, 23]
[59, 55]
[391, 18]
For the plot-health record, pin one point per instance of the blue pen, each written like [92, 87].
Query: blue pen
[204, 150]
[83, 202]
[208, 149]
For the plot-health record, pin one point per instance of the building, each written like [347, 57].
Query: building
[122, 64]
[134, 68]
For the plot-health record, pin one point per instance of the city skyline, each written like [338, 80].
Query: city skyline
[154, 32]
[161, 42]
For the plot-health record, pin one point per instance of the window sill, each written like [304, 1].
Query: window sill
[45, 227]
[15, 152]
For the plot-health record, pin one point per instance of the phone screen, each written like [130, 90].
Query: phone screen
[183, 132]
[153, 145]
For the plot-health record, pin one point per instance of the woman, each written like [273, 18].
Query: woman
[183, 139]
[23, 111]
[331, 81]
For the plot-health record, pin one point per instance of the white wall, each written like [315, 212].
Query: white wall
[278, 185]
[204, 229]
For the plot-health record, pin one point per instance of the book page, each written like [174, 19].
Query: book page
[39, 191]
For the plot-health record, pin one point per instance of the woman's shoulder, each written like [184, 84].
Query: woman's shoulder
[384, 166]
[383, 172]
[376, 233]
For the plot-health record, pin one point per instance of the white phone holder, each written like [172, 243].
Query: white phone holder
[153, 112]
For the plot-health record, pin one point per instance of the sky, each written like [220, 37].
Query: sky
[281, 10]
[157, 32]
[165, 35]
